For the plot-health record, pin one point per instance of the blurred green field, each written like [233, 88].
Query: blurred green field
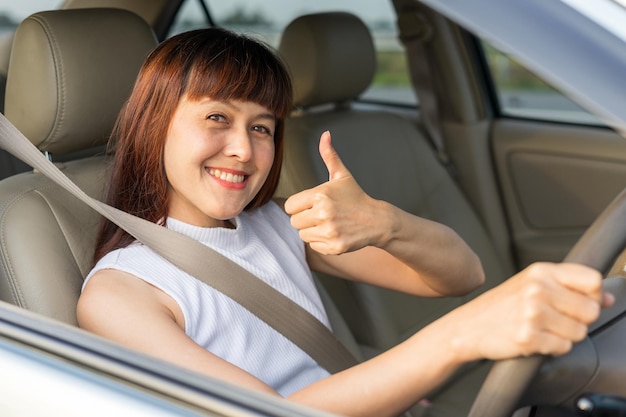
[392, 70]
[507, 73]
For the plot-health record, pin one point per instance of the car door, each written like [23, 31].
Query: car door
[555, 176]
[558, 164]
[537, 165]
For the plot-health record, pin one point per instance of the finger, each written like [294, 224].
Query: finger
[578, 306]
[574, 277]
[312, 238]
[608, 300]
[563, 325]
[299, 202]
[322, 248]
[336, 168]
[547, 332]
[582, 279]
[571, 289]
[304, 219]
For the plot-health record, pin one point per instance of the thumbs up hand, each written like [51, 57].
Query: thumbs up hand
[336, 216]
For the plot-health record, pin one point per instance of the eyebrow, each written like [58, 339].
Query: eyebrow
[268, 115]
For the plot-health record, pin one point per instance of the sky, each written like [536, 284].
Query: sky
[282, 10]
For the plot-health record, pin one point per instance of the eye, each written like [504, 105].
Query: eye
[217, 117]
[262, 129]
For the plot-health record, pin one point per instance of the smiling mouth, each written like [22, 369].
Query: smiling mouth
[227, 176]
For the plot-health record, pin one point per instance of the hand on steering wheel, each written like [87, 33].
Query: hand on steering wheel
[599, 246]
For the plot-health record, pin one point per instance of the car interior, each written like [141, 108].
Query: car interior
[66, 96]
[79, 55]
[364, 138]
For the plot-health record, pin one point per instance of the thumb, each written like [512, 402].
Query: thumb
[336, 168]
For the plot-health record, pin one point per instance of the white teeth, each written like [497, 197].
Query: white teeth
[226, 176]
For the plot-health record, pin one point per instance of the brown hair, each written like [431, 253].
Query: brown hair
[212, 63]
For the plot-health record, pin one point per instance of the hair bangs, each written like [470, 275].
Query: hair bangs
[240, 69]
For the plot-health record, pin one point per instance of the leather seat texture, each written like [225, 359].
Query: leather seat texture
[69, 74]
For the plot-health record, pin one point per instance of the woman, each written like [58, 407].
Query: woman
[199, 150]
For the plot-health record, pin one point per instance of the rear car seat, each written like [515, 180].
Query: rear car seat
[332, 60]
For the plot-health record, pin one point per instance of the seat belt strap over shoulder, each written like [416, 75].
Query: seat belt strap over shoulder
[268, 304]
[415, 32]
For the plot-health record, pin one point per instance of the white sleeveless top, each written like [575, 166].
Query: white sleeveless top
[264, 243]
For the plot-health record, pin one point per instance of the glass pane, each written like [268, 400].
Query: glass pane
[189, 17]
[523, 94]
[268, 19]
[12, 12]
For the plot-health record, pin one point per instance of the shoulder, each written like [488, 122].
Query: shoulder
[135, 251]
[136, 260]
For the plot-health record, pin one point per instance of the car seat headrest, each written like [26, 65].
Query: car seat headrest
[70, 73]
[330, 56]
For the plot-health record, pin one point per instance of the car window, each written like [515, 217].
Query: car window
[520, 93]
[13, 12]
[268, 19]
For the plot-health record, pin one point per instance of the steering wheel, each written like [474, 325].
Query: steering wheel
[597, 248]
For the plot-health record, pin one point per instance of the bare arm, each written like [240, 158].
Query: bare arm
[544, 309]
[377, 242]
[127, 310]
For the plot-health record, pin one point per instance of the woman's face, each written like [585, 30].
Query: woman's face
[217, 156]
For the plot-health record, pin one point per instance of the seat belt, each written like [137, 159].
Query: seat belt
[415, 31]
[268, 304]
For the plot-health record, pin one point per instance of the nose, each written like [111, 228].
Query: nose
[239, 145]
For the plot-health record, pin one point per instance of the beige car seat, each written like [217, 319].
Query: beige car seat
[158, 13]
[332, 60]
[69, 74]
